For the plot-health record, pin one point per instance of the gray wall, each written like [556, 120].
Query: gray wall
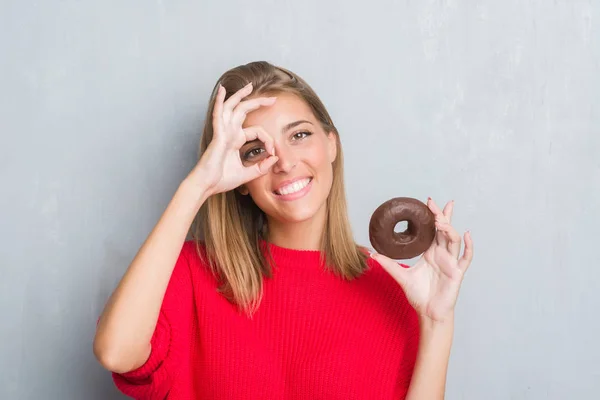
[495, 104]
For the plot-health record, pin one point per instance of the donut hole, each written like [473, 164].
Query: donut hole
[401, 227]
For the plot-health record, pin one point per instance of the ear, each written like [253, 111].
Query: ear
[243, 190]
[332, 146]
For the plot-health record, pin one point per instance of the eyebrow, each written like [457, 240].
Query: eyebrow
[284, 129]
[294, 124]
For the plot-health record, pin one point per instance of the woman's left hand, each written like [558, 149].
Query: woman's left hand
[432, 284]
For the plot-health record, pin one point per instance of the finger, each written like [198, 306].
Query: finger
[241, 111]
[446, 263]
[234, 100]
[453, 239]
[467, 257]
[434, 208]
[440, 238]
[258, 132]
[259, 169]
[397, 271]
[217, 115]
[448, 209]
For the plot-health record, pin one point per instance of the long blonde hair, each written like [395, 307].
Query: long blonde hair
[231, 225]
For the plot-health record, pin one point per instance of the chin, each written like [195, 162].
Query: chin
[300, 216]
[297, 213]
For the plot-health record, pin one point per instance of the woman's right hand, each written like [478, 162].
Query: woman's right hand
[221, 168]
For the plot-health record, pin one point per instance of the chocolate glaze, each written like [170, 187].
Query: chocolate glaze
[418, 235]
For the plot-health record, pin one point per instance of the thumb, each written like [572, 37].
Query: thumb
[397, 270]
[259, 168]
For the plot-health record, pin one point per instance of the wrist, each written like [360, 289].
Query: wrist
[197, 192]
[438, 323]
[429, 375]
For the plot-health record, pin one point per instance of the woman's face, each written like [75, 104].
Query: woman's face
[297, 186]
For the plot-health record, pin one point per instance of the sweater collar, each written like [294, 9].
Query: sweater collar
[289, 256]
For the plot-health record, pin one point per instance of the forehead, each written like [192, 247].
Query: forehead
[287, 108]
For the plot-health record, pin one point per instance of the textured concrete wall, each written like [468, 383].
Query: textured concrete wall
[495, 104]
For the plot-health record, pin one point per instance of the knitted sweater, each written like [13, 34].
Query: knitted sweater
[314, 336]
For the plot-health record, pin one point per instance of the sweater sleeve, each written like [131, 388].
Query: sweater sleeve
[154, 379]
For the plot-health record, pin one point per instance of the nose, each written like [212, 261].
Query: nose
[287, 159]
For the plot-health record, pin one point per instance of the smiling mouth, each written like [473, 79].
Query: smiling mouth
[293, 187]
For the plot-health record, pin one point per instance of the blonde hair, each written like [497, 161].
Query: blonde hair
[233, 225]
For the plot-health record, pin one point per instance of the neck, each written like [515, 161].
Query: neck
[304, 235]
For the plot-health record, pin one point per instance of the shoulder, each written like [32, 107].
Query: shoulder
[383, 277]
[192, 253]
[182, 264]
[386, 294]
[191, 258]
[193, 264]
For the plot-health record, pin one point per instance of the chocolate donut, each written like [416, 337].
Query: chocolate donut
[418, 235]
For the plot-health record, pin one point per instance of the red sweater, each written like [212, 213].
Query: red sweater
[314, 336]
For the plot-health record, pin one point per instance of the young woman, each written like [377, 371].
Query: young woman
[272, 298]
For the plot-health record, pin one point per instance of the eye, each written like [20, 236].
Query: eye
[255, 152]
[301, 135]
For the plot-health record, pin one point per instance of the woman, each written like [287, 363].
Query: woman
[277, 301]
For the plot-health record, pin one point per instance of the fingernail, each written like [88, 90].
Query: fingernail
[249, 84]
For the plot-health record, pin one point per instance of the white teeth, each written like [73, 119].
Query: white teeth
[294, 187]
